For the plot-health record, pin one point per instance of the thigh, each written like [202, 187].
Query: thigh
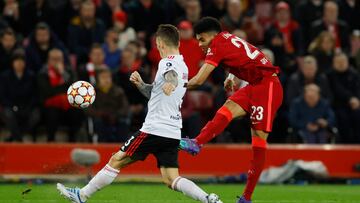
[167, 152]
[138, 146]
[242, 98]
[265, 100]
[120, 160]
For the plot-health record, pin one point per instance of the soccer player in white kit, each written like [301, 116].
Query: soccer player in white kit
[161, 132]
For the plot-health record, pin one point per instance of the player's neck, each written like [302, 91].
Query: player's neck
[171, 52]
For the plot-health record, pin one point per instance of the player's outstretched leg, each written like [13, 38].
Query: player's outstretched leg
[103, 178]
[187, 187]
[190, 189]
[259, 146]
[220, 121]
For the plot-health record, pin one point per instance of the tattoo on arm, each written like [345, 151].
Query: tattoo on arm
[172, 77]
[145, 89]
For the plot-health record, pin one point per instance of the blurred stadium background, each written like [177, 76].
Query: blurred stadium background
[45, 45]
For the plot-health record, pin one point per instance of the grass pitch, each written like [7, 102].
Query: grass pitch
[157, 193]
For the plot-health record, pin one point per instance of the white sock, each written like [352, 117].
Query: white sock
[189, 188]
[103, 178]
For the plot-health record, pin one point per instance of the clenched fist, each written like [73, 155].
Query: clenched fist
[136, 79]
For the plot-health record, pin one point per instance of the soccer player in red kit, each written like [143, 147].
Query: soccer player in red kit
[260, 99]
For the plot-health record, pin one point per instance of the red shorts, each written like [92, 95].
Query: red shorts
[261, 101]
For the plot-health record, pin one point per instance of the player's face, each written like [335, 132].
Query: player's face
[205, 40]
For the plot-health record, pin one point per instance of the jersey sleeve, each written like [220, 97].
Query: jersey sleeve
[166, 66]
[213, 55]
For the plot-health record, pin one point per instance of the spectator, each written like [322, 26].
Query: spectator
[126, 33]
[189, 48]
[284, 39]
[240, 33]
[146, 15]
[89, 71]
[73, 10]
[11, 14]
[355, 46]
[311, 116]
[7, 48]
[53, 81]
[192, 11]
[110, 110]
[216, 9]
[323, 48]
[233, 18]
[307, 12]
[349, 12]
[129, 64]
[345, 83]
[174, 9]
[106, 11]
[82, 34]
[35, 11]
[308, 74]
[41, 41]
[269, 54]
[19, 99]
[330, 22]
[111, 50]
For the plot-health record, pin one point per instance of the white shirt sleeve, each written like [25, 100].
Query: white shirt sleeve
[166, 65]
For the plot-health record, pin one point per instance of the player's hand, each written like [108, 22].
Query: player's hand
[229, 84]
[136, 79]
[168, 88]
[190, 146]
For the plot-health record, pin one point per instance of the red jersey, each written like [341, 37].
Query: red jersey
[242, 59]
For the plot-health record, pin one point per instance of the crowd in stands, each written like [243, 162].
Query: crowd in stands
[46, 45]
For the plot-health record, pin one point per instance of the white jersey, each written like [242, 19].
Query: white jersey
[164, 116]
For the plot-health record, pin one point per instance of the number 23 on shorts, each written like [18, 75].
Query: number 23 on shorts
[257, 113]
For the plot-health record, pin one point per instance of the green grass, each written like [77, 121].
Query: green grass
[156, 193]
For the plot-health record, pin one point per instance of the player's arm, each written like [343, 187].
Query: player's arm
[201, 76]
[143, 87]
[171, 82]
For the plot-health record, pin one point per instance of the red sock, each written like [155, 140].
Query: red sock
[257, 165]
[214, 127]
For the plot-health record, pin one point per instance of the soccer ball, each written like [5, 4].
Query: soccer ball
[213, 198]
[81, 94]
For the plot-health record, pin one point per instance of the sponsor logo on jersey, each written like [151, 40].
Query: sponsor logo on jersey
[177, 117]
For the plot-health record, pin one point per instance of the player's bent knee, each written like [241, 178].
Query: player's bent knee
[259, 133]
[235, 109]
[118, 160]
